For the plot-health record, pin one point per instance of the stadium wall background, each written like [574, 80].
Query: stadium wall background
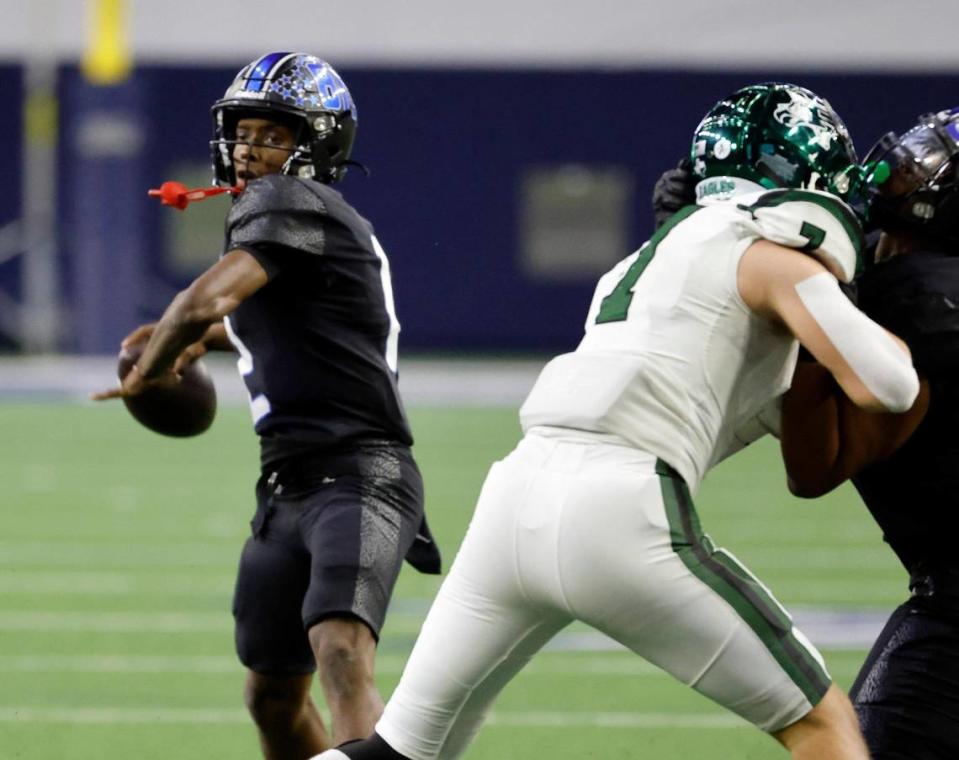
[512, 152]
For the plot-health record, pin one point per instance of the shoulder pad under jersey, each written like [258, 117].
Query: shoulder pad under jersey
[278, 210]
[812, 221]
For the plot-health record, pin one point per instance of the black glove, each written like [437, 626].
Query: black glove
[675, 189]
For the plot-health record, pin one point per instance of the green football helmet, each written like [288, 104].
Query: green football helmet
[775, 135]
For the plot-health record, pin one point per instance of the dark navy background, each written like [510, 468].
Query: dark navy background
[447, 150]
[11, 134]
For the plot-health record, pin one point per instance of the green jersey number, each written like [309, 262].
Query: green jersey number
[815, 235]
[615, 307]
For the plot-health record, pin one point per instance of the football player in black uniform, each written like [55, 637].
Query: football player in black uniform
[906, 466]
[302, 292]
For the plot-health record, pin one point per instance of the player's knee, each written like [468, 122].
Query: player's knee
[341, 666]
[834, 709]
[832, 717]
[274, 703]
[344, 651]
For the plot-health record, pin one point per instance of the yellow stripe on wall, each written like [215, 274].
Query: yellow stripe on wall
[107, 58]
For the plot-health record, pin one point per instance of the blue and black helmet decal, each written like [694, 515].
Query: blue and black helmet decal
[299, 80]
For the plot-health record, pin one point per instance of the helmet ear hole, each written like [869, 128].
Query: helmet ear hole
[323, 125]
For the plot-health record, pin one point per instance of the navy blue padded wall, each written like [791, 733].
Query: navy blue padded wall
[447, 149]
[11, 159]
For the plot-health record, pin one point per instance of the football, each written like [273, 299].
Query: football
[183, 410]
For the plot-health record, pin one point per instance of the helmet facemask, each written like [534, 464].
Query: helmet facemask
[914, 180]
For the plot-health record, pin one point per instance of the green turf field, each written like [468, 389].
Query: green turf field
[117, 552]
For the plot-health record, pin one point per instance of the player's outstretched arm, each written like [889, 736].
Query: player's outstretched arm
[188, 318]
[209, 298]
[826, 439]
[216, 339]
[871, 365]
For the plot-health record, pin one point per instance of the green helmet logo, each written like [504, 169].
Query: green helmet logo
[774, 135]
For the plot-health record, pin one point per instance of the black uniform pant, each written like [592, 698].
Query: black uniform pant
[329, 537]
[907, 692]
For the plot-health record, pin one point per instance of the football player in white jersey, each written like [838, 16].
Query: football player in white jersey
[689, 342]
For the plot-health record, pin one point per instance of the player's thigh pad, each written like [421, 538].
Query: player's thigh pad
[271, 582]
[636, 565]
[358, 529]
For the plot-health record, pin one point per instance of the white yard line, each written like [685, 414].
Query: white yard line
[423, 382]
[152, 622]
[128, 715]
[612, 664]
[115, 622]
[99, 556]
[30, 582]
[827, 628]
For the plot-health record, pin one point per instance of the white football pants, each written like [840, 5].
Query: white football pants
[570, 528]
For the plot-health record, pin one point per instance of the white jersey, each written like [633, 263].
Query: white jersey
[673, 361]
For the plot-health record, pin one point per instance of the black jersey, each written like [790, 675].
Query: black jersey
[914, 495]
[317, 343]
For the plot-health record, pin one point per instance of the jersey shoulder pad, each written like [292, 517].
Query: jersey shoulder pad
[337, 208]
[812, 221]
[277, 210]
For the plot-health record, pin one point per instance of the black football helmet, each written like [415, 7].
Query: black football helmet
[914, 179]
[296, 89]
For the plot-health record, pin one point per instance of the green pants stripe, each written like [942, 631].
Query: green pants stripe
[734, 583]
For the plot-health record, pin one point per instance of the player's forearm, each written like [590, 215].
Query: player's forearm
[216, 339]
[809, 440]
[827, 439]
[181, 324]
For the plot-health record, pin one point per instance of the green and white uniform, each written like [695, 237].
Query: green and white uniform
[673, 362]
[590, 518]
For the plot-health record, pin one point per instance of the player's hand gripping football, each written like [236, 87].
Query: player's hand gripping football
[190, 354]
[179, 402]
[132, 383]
